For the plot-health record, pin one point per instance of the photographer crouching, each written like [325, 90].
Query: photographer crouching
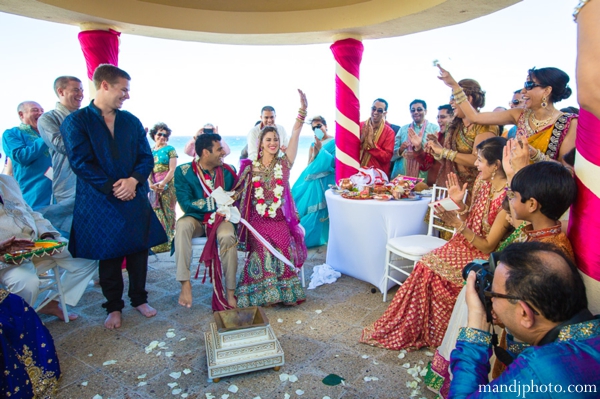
[538, 294]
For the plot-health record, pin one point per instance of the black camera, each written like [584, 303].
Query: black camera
[484, 272]
[209, 130]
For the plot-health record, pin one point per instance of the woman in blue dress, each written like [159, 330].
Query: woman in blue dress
[28, 358]
[309, 189]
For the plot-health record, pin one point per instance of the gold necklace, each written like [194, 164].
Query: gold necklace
[267, 168]
[540, 123]
[494, 191]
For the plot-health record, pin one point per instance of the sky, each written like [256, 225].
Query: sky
[187, 84]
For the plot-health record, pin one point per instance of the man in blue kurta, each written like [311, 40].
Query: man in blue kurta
[112, 220]
[32, 165]
[539, 296]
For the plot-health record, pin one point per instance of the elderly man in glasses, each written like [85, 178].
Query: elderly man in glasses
[377, 138]
[538, 294]
[404, 151]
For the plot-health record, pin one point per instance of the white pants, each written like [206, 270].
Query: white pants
[23, 280]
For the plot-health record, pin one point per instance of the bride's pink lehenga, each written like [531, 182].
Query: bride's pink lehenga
[265, 279]
[419, 314]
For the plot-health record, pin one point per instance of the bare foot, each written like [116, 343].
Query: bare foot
[231, 299]
[53, 309]
[146, 310]
[113, 320]
[185, 298]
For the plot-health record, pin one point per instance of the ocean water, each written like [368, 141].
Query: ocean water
[236, 144]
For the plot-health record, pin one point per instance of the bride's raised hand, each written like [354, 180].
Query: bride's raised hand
[303, 100]
[455, 191]
[447, 78]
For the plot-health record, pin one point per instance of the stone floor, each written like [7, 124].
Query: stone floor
[315, 344]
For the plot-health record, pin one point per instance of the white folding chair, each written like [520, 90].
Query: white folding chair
[50, 280]
[415, 246]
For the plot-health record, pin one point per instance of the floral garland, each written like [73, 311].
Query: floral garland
[208, 181]
[259, 194]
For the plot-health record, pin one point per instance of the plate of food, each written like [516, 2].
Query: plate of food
[40, 248]
[383, 197]
[425, 193]
[415, 197]
[354, 195]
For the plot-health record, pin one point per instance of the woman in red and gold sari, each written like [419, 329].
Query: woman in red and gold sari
[549, 132]
[419, 314]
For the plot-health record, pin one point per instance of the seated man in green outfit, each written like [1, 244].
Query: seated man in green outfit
[194, 182]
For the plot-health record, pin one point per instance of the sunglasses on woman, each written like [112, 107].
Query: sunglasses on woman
[530, 85]
[515, 102]
[317, 127]
[161, 135]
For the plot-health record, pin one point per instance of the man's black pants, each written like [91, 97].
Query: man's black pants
[111, 280]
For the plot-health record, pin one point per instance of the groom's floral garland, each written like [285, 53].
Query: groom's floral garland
[259, 194]
[210, 202]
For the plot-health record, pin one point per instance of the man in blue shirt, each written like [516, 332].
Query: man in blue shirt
[538, 294]
[112, 219]
[403, 158]
[32, 165]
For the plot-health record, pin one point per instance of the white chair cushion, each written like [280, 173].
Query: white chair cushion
[198, 240]
[417, 245]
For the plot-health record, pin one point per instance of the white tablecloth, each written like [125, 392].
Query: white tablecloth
[360, 229]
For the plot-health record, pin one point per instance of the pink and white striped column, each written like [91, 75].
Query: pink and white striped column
[99, 46]
[348, 55]
[584, 221]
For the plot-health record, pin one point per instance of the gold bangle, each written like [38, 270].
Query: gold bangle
[578, 8]
[464, 211]
[472, 239]
[458, 91]
[452, 155]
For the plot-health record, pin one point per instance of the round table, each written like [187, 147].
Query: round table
[359, 231]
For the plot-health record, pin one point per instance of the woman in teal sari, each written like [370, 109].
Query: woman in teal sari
[162, 197]
[309, 189]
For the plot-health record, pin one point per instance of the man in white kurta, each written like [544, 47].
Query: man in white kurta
[18, 220]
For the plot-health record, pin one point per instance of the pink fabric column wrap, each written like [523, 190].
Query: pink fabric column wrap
[584, 221]
[99, 47]
[348, 54]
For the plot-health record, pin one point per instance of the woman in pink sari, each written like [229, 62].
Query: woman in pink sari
[270, 275]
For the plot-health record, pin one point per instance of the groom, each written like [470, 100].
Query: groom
[194, 182]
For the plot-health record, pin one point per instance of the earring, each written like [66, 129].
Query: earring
[260, 153]
[493, 174]
[544, 103]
